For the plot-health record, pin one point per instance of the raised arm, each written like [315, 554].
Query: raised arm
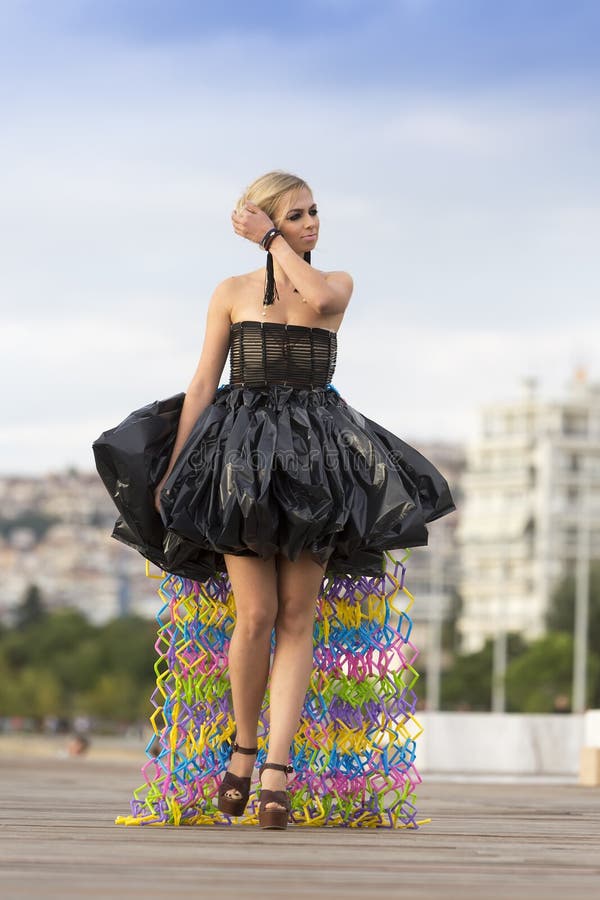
[204, 383]
[328, 293]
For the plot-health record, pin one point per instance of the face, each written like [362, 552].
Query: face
[298, 221]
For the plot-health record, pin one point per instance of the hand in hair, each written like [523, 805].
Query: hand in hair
[251, 222]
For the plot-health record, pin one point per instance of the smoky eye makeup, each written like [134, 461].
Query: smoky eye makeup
[295, 214]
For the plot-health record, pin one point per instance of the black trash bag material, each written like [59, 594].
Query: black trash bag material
[262, 472]
[131, 459]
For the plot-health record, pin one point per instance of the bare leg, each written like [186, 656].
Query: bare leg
[254, 584]
[298, 587]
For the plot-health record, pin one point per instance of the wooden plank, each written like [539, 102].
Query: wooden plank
[484, 841]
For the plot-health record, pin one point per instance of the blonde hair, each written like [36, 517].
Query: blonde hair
[268, 191]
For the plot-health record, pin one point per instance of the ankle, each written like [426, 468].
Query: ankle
[277, 772]
[241, 765]
[245, 748]
[243, 758]
[274, 781]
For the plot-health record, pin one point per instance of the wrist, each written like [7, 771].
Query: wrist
[276, 240]
[268, 238]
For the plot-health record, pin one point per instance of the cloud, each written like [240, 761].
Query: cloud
[81, 378]
[461, 193]
[468, 217]
[400, 43]
[425, 383]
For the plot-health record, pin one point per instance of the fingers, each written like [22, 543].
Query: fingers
[250, 222]
[239, 223]
[251, 208]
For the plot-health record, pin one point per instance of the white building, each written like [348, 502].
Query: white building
[531, 504]
[432, 572]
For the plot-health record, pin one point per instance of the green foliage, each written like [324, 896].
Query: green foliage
[561, 619]
[450, 635]
[467, 683]
[561, 616]
[543, 674]
[131, 638]
[30, 692]
[60, 664]
[31, 609]
[539, 675]
[114, 696]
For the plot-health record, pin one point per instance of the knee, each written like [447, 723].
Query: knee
[255, 622]
[295, 617]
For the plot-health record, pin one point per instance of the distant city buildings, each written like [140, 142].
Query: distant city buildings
[531, 504]
[528, 501]
[55, 533]
[433, 572]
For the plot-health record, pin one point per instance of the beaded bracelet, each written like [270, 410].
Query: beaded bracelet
[269, 238]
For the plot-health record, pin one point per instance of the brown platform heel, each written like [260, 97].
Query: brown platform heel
[274, 818]
[235, 806]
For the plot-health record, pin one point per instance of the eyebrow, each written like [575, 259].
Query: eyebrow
[300, 209]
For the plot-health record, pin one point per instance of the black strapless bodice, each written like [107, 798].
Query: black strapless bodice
[264, 353]
[277, 464]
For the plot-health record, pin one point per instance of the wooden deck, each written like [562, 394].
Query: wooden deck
[484, 841]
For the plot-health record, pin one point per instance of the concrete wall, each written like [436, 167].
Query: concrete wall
[504, 743]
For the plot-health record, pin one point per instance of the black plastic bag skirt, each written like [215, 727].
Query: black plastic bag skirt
[266, 471]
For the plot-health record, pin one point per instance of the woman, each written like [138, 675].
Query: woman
[276, 478]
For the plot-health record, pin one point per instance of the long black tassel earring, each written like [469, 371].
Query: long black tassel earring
[270, 294]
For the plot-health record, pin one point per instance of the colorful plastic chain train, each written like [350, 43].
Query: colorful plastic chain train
[354, 752]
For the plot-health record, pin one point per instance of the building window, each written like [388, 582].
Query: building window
[570, 535]
[575, 423]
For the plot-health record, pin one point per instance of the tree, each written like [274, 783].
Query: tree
[30, 692]
[31, 610]
[561, 619]
[114, 698]
[127, 645]
[450, 633]
[63, 663]
[561, 614]
[544, 672]
[467, 683]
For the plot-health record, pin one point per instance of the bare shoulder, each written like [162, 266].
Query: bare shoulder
[343, 279]
[216, 341]
[228, 290]
[240, 282]
[225, 290]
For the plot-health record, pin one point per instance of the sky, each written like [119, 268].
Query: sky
[452, 148]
